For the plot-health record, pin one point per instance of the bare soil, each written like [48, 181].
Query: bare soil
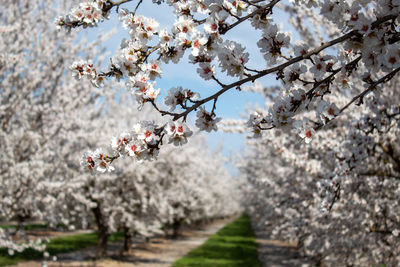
[276, 253]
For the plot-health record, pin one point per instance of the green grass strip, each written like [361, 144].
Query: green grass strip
[32, 226]
[233, 246]
[55, 246]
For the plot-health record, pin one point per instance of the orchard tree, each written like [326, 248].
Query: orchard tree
[38, 103]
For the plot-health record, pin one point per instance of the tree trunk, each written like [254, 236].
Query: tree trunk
[20, 223]
[127, 239]
[176, 226]
[165, 230]
[102, 232]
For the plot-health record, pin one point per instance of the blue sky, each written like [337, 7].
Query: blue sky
[230, 105]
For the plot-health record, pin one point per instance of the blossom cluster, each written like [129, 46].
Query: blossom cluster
[86, 14]
[142, 143]
[349, 176]
[86, 69]
[179, 97]
[207, 121]
[272, 43]
[361, 36]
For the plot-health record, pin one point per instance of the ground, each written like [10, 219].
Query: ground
[162, 252]
[159, 252]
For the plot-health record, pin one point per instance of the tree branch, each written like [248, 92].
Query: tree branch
[259, 10]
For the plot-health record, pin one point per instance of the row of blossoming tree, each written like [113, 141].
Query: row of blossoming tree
[329, 132]
[355, 225]
[48, 119]
[337, 192]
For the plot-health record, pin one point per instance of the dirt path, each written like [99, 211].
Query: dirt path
[275, 253]
[158, 252]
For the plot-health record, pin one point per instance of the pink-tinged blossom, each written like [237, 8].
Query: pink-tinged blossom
[235, 7]
[326, 111]
[175, 96]
[151, 94]
[165, 38]
[321, 65]
[86, 69]
[272, 42]
[259, 21]
[334, 11]
[178, 133]
[392, 57]
[281, 114]
[153, 69]
[125, 17]
[87, 14]
[206, 121]
[182, 41]
[191, 95]
[232, 58]
[140, 27]
[183, 25]
[101, 160]
[145, 131]
[293, 73]
[88, 160]
[300, 49]
[206, 70]
[119, 143]
[179, 96]
[211, 26]
[134, 148]
[255, 123]
[172, 53]
[198, 43]
[304, 130]
[145, 92]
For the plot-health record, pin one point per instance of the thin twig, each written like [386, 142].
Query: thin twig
[137, 6]
[360, 96]
[218, 81]
[252, 14]
[385, 78]
[117, 4]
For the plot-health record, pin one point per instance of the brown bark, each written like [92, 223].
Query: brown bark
[102, 232]
[20, 224]
[127, 239]
[176, 227]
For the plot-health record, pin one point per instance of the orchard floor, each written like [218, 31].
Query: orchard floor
[158, 252]
[275, 253]
[161, 252]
